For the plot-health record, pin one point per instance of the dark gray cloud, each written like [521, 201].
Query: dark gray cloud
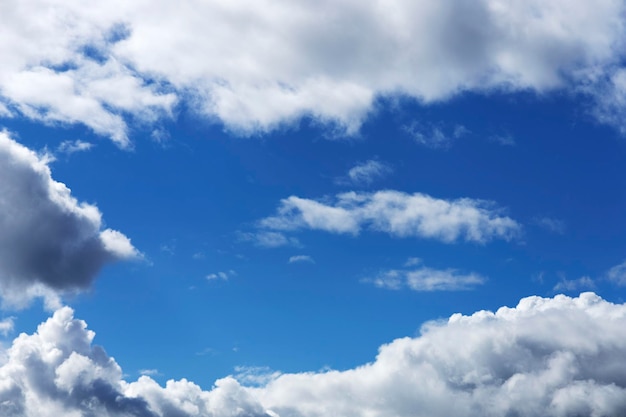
[49, 241]
[546, 357]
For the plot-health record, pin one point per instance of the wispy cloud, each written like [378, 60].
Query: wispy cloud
[426, 279]
[398, 214]
[551, 224]
[222, 275]
[365, 173]
[503, 139]
[149, 372]
[435, 136]
[255, 375]
[582, 283]
[7, 325]
[617, 274]
[268, 239]
[69, 147]
[300, 259]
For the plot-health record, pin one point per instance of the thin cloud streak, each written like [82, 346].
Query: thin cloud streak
[425, 279]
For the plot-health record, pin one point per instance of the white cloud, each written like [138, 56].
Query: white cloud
[257, 65]
[511, 362]
[301, 258]
[223, 275]
[396, 213]
[426, 279]
[49, 241]
[366, 172]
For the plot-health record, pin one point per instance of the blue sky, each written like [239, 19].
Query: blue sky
[278, 190]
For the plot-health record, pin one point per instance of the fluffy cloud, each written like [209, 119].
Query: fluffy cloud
[424, 278]
[49, 241]
[548, 357]
[512, 362]
[398, 214]
[254, 65]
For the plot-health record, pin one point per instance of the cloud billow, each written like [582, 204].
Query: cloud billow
[546, 357]
[49, 240]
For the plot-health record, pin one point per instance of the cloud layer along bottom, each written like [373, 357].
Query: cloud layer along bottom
[556, 356]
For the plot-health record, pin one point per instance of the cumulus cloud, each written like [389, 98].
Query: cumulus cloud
[426, 279]
[256, 65]
[398, 214]
[546, 357]
[49, 241]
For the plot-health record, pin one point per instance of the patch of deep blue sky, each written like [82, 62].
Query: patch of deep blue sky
[187, 201]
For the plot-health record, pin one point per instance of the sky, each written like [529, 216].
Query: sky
[300, 209]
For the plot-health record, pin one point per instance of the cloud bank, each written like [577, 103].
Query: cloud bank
[257, 65]
[49, 242]
[398, 214]
[546, 357]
